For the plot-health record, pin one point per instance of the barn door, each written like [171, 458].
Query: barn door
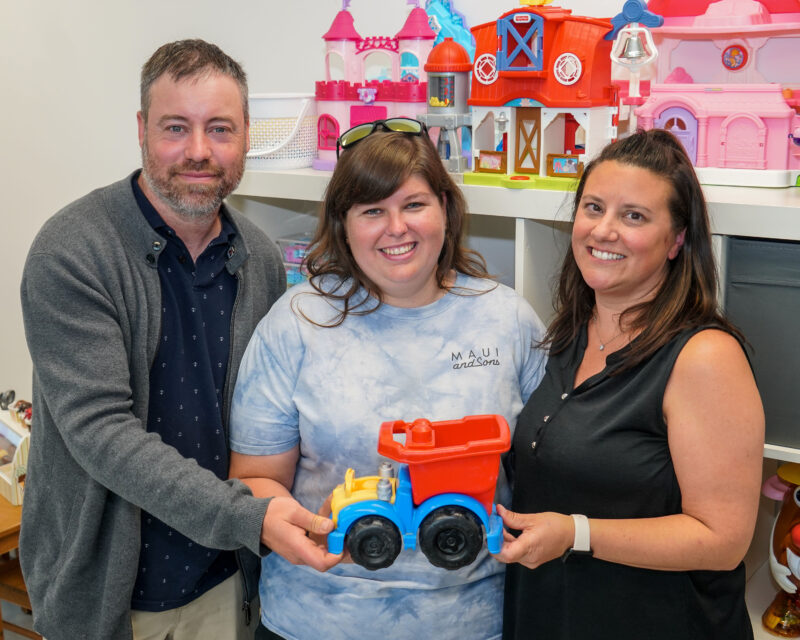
[529, 126]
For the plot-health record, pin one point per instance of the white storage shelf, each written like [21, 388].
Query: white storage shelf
[541, 231]
[542, 225]
[776, 214]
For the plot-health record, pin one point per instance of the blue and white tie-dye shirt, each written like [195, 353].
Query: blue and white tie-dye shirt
[327, 390]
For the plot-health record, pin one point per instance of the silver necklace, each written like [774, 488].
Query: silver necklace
[600, 340]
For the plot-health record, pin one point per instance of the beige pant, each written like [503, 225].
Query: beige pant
[216, 615]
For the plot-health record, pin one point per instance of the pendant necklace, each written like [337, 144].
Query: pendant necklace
[600, 340]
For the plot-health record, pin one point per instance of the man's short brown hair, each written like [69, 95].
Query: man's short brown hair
[187, 59]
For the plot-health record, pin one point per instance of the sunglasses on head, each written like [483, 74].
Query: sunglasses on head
[361, 131]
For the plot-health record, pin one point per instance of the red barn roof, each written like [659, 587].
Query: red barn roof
[573, 44]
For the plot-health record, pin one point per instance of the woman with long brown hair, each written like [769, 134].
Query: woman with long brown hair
[398, 321]
[637, 461]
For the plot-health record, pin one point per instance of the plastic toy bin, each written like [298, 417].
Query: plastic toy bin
[294, 248]
[762, 298]
[459, 456]
[283, 131]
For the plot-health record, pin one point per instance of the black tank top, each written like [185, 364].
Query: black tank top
[601, 450]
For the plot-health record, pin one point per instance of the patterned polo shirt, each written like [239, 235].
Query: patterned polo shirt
[187, 380]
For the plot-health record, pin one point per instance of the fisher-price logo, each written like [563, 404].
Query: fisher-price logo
[482, 357]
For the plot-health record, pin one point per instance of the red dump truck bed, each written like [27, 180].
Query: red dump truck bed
[452, 456]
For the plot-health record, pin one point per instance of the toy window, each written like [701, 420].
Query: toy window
[409, 67]
[734, 57]
[520, 37]
[334, 67]
[377, 66]
[442, 90]
[574, 135]
[675, 124]
[776, 60]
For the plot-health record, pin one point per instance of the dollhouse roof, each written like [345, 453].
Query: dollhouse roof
[342, 28]
[448, 56]
[689, 8]
[705, 100]
[416, 26]
[740, 18]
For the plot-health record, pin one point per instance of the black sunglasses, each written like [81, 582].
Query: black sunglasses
[361, 131]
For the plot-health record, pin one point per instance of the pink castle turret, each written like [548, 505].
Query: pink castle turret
[415, 39]
[357, 90]
[341, 41]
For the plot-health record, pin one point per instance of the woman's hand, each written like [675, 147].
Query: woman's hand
[294, 533]
[543, 537]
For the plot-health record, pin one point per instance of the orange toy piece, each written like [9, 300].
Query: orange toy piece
[782, 617]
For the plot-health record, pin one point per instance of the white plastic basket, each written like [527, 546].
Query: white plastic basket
[283, 130]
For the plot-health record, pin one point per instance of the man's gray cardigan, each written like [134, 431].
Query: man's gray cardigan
[91, 301]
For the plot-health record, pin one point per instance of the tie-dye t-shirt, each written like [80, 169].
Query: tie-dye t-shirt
[328, 390]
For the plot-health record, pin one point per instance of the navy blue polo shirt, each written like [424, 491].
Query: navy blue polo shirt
[187, 381]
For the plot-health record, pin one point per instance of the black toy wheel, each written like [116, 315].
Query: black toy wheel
[451, 537]
[373, 542]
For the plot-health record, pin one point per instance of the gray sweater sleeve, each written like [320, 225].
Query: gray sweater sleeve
[82, 345]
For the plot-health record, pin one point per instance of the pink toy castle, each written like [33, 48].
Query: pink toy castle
[379, 77]
[727, 83]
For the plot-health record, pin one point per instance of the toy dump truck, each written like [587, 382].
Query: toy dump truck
[442, 496]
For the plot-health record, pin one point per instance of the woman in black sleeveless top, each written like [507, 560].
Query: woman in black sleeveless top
[647, 426]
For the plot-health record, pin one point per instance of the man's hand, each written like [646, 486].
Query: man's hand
[285, 529]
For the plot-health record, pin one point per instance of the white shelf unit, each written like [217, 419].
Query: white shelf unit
[542, 222]
[540, 232]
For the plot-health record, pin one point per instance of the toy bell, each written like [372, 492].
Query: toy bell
[633, 48]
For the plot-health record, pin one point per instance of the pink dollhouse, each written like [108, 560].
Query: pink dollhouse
[542, 99]
[370, 78]
[727, 83]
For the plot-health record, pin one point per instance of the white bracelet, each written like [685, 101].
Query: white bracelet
[582, 541]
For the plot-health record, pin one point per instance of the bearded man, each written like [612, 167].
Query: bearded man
[138, 302]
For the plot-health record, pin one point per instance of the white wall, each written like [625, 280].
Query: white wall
[69, 95]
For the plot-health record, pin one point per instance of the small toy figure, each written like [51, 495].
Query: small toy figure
[442, 496]
[782, 617]
[22, 412]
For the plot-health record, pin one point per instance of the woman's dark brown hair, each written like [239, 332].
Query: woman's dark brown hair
[371, 171]
[688, 296]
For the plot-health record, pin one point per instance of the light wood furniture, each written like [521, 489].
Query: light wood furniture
[12, 586]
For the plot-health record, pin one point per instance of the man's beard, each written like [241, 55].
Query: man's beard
[190, 200]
